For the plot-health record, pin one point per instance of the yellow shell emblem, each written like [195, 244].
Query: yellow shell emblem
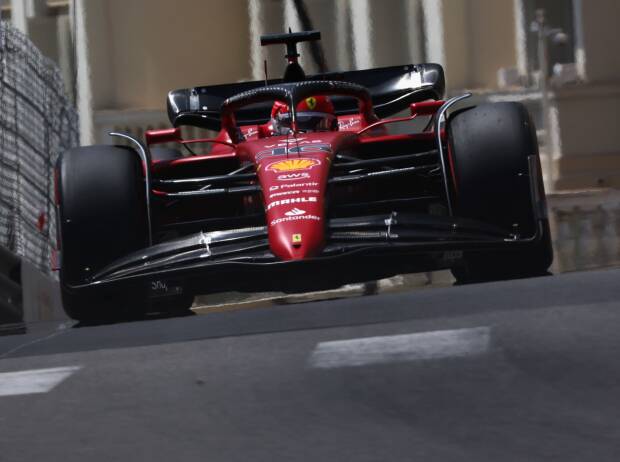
[291, 165]
[311, 102]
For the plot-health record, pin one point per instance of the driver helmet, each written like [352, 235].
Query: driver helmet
[314, 114]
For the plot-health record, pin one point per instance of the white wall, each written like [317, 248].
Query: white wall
[472, 39]
[491, 40]
[141, 49]
[601, 39]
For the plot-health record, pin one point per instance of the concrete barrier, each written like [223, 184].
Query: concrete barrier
[11, 311]
[41, 300]
[26, 295]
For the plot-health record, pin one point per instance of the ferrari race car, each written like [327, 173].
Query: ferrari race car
[307, 186]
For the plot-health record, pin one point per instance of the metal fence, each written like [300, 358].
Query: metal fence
[37, 123]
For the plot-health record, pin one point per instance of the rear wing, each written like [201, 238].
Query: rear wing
[392, 89]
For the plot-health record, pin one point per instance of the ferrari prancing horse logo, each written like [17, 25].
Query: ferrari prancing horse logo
[311, 102]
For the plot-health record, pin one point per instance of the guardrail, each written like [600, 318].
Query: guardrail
[11, 307]
[586, 229]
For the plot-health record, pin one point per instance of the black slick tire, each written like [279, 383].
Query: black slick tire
[102, 216]
[490, 148]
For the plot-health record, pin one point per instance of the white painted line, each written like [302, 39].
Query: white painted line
[33, 381]
[399, 348]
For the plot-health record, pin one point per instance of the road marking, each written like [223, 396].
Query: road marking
[399, 348]
[61, 329]
[33, 381]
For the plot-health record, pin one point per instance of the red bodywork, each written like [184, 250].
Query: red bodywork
[293, 171]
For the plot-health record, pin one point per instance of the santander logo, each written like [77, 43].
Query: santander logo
[295, 212]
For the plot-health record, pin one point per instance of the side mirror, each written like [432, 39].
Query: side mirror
[425, 108]
[168, 135]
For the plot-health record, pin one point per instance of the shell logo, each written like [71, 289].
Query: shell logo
[292, 165]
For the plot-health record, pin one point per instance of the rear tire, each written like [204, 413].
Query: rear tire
[102, 216]
[489, 146]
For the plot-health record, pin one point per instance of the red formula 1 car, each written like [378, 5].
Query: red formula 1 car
[306, 187]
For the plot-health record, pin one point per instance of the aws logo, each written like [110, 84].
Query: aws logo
[292, 165]
[293, 176]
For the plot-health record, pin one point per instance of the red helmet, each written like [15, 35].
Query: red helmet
[315, 113]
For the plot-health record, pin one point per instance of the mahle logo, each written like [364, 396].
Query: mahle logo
[293, 200]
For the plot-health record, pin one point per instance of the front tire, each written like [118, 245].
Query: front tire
[489, 147]
[102, 216]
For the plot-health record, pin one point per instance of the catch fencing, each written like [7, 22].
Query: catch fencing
[37, 123]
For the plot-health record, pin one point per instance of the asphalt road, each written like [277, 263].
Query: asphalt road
[512, 371]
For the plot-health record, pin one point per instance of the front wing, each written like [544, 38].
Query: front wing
[358, 249]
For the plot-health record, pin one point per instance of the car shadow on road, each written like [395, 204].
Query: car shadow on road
[157, 316]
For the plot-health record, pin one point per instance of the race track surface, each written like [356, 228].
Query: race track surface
[523, 370]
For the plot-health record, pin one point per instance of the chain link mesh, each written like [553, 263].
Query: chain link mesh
[37, 123]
